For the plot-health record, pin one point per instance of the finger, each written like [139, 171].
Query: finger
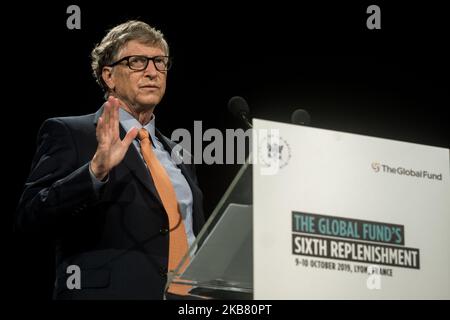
[99, 129]
[130, 136]
[105, 115]
[111, 113]
[115, 119]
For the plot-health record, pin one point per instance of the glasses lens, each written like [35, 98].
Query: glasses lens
[162, 63]
[138, 62]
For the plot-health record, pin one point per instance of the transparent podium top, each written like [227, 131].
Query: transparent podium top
[221, 258]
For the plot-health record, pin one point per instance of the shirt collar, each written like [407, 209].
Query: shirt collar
[128, 121]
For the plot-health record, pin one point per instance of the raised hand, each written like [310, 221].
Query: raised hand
[110, 149]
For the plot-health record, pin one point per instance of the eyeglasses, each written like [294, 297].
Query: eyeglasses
[139, 63]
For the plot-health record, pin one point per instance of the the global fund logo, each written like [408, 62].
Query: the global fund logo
[380, 168]
[376, 166]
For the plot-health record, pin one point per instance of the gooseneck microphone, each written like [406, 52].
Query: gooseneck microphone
[301, 117]
[240, 109]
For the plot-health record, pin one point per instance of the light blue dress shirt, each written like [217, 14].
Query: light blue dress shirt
[181, 186]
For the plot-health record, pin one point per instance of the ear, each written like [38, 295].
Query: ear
[107, 76]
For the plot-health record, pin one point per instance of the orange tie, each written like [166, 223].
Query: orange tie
[178, 245]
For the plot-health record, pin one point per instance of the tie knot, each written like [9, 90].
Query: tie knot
[143, 134]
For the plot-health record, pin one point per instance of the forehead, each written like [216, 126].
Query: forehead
[135, 47]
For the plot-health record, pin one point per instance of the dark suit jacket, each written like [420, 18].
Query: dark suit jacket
[118, 236]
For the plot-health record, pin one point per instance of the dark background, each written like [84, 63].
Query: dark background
[390, 83]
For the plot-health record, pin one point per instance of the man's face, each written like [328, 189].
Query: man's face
[141, 90]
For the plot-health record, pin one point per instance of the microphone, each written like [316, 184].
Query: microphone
[300, 117]
[240, 109]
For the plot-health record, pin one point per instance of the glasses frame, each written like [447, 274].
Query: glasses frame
[127, 59]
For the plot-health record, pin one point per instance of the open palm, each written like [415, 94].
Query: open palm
[110, 149]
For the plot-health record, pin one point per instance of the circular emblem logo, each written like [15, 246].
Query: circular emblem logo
[274, 151]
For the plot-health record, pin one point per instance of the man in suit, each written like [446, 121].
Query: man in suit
[107, 186]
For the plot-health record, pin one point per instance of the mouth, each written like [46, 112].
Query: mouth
[149, 86]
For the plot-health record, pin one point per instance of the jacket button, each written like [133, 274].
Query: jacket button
[164, 231]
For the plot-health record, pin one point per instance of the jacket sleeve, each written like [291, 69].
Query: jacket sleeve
[58, 188]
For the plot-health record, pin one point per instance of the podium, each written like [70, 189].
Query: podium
[221, 262]
[321, 214]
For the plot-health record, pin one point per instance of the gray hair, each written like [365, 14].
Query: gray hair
[106, 52]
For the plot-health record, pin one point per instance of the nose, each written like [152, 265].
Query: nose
[151, 71]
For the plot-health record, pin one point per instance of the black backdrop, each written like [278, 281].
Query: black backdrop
[390, 83]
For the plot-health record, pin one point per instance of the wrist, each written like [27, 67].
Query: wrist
[97, 171]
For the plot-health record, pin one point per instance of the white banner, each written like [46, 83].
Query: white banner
[346, 216]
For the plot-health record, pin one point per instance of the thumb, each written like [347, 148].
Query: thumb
[130, 136]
